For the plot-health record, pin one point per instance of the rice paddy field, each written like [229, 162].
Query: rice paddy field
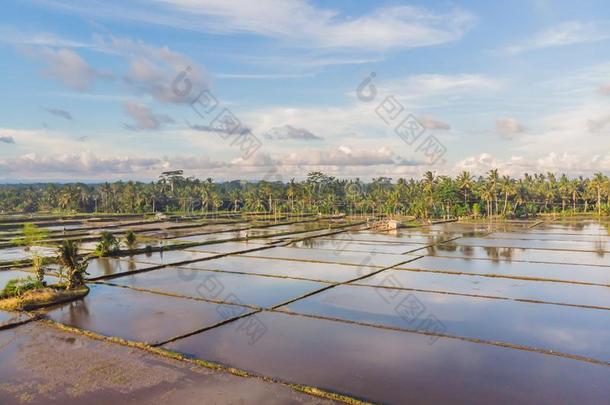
[318, 310]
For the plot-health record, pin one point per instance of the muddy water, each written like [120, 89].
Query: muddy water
[332, 256]
[347, 245]
[594, 246]
[397, 367]
[576, 294]
[40, 365]
[235, 288]
[107, 266]
[570, 330]
[140, 316]
[547, 271]
[285, 268]
[453, 249]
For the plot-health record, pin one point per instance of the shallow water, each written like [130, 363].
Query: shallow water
[332, 256]
[453, 249]
[577, 331]
[107, 266]
[576, 294]
[6, 275]
[348, 245]
[577, 228]
[20, 253]
[549, 271]
[285, 268]
[8, 318]
[168, 257]
[235, 288]
[600, 246]
[140, 316]
[386, 238]
[228, 247]
[398, 367]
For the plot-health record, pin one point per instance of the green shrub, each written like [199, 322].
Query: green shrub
[130, 240]
[18, 286]
[107, 244]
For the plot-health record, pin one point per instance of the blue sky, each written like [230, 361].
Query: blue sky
[519, 85]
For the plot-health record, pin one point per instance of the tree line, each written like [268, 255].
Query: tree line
[432, 196]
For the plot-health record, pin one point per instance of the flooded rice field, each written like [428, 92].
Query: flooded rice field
[458, 312]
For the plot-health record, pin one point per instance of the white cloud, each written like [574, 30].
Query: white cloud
[568, 33]
[571, 164]
[144, 118]
[88, 165]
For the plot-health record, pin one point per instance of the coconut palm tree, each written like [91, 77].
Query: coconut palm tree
[597, 184]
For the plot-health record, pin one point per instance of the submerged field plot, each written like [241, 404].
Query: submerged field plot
[507, 312]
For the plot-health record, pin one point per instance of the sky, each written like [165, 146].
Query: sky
[273, 89]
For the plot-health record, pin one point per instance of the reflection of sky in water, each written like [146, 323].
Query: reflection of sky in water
[508, 253]
[488, 319]
[396, 367]
[21, 253]
[358, 258]
[141, 316]
[500, 287]
[319, 271]
[552, 271]
[595, 246]
[247, 289]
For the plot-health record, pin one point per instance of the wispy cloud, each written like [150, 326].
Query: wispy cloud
[144, 118]
[7, 139]
[67, 67]
[152, 69]
[508, 127]
[568, 33]
[288, 133]
[60, 113]
[433, 124]
[296, 21]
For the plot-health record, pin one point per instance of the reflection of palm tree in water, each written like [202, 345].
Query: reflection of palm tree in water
[131, 265]
[106, 266]
[77, 311]
[497, 254]
[309, 243]
[600, 247]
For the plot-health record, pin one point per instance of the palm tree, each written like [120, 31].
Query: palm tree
[76, 267]
[597, 184]
[493, 177]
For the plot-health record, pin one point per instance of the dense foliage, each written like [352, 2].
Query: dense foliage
[430, 196]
